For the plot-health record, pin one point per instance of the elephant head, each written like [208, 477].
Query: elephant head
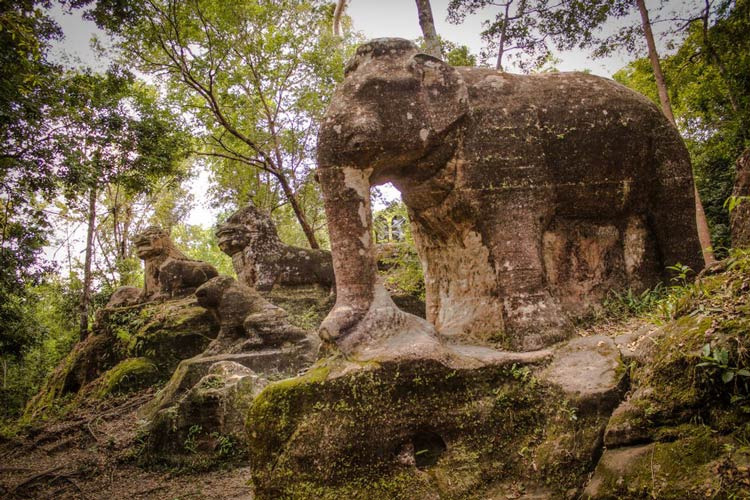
[394, 106]
[393, 117]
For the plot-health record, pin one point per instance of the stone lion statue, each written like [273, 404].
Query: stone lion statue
[168, 272]
[261, 260]
[247, 321]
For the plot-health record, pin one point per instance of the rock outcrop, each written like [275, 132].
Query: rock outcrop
[530, 196]
[477, 423]
[206, 399]
[682, 430]
[129, 348]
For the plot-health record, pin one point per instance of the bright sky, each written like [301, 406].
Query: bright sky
[374, 18]
[398, 18]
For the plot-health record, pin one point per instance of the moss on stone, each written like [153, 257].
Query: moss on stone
[690, 467]
[163, 333]
[696, 424]
[306, 305]
[343, 429]
[128, 375]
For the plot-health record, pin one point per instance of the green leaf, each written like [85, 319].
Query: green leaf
[727, 376]
[722, 356]
[706, 350]
[743, 373]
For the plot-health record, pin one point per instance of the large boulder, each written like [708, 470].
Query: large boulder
[474, 422]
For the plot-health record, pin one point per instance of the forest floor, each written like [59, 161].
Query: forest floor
[92, 454]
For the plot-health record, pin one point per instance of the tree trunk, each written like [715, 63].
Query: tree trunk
[428, 28]
[338, 13]
[704, 234]
[501, 48]
[309, 233]
[86, 293]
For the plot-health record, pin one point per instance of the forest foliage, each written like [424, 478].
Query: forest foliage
[236, 89]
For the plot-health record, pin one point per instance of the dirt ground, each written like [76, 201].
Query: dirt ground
[91, 455]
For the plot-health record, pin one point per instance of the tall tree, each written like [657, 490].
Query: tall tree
[452, 53]
[528, 29]
[254, 76]
[710, 97]
[338, 14]
[112, 132]
[704, 233]
[432, 42]
[28, 93]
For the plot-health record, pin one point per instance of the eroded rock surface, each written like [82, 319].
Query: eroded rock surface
[466, 422]
[530, 196]
[261, 260]
[679, 432]
[129, 348]
[590, 372]
[247, 321]
[206, 399]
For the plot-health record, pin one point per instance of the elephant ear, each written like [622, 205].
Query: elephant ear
[443, 91]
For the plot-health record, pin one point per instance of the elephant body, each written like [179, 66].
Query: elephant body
[530, 196]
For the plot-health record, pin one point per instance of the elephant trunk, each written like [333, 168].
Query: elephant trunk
[346, 191]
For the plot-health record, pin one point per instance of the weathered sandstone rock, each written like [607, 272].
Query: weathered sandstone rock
[247, 321]
[261, 260]
[464, 422]
[168, 272]
[530, 196]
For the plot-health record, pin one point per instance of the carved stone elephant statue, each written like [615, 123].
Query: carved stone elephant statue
[530, 196]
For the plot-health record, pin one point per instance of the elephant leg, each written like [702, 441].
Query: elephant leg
[533, 316]
[673, 206]
[346, 193]
[364, 322]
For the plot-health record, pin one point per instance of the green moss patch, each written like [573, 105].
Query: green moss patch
[158, 334]
[392, 429]
[699, 465]
[127, 376]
